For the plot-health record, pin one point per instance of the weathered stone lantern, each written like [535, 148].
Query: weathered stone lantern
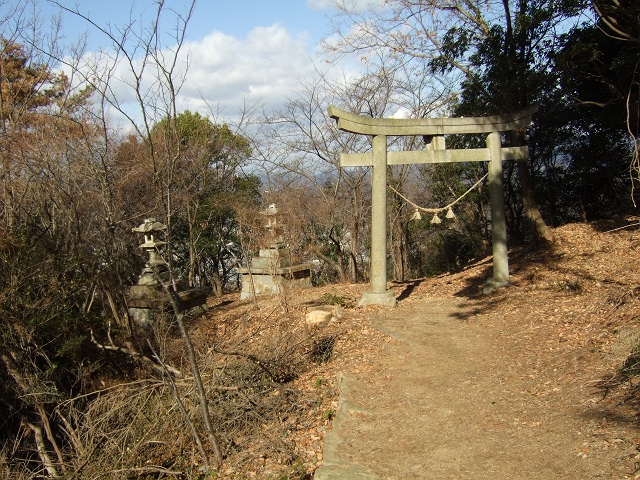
[156, 269]
[148, 298]
[272, 270]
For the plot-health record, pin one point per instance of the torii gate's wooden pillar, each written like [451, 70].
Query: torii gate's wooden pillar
[379, 293]
[498, 220]
[434, 128]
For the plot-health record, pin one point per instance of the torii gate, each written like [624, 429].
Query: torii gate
[432, 129]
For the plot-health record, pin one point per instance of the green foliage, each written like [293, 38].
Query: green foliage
[450, 245]
[579, 152]
[24, 84]
[44, 328]
[52, 269]
[329, 298]
[217, 242]
[207, 192]
[589, 168]
[203, 142]
[444, 250]
[455, 44]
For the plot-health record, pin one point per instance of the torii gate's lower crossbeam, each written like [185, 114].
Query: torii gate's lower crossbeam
[435, 152]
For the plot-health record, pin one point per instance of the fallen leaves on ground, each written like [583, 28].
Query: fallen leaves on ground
[573, 308]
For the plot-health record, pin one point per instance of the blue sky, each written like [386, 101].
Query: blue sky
[236, 18]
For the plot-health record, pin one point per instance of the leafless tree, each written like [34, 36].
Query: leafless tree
[152, 66]
[299, 147]
[437, 33]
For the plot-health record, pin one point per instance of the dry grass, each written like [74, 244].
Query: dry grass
[272, 382]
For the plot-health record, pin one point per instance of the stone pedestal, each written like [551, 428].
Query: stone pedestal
[147, 301]
[386, 298]
[272, 271]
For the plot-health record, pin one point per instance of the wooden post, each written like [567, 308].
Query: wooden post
[498, 220]
[378, 294]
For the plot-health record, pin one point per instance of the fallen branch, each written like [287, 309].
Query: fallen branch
[261, 363]
[152, 468]
[42, 450]
[137, 355]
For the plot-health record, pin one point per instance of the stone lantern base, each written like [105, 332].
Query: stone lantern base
[272, 282]
[146, 302]
[271, 272]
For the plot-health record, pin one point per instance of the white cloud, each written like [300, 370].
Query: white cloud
[224, 74]
[349, 5]
[320, 4]
[264, 66]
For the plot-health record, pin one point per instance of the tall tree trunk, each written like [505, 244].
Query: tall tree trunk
[191, 219]
[355, 236]
[531, 211]
[541, 230]
[337, 266]
[517, 43]
[178, 309]
[398, 250]
[353, 254]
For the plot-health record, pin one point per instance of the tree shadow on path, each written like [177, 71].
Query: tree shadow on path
[408, 289]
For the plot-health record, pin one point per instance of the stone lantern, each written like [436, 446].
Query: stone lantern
[156, 269]
[272, 270]
[148, 298]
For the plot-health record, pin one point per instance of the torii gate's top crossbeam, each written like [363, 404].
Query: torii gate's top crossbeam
[350, 122]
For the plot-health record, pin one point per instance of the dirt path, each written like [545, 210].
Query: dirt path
[458, 395]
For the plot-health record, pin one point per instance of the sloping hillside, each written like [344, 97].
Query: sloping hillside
[572, 315]
[570, 321]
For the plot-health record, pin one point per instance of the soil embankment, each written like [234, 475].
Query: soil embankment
[505, 386]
